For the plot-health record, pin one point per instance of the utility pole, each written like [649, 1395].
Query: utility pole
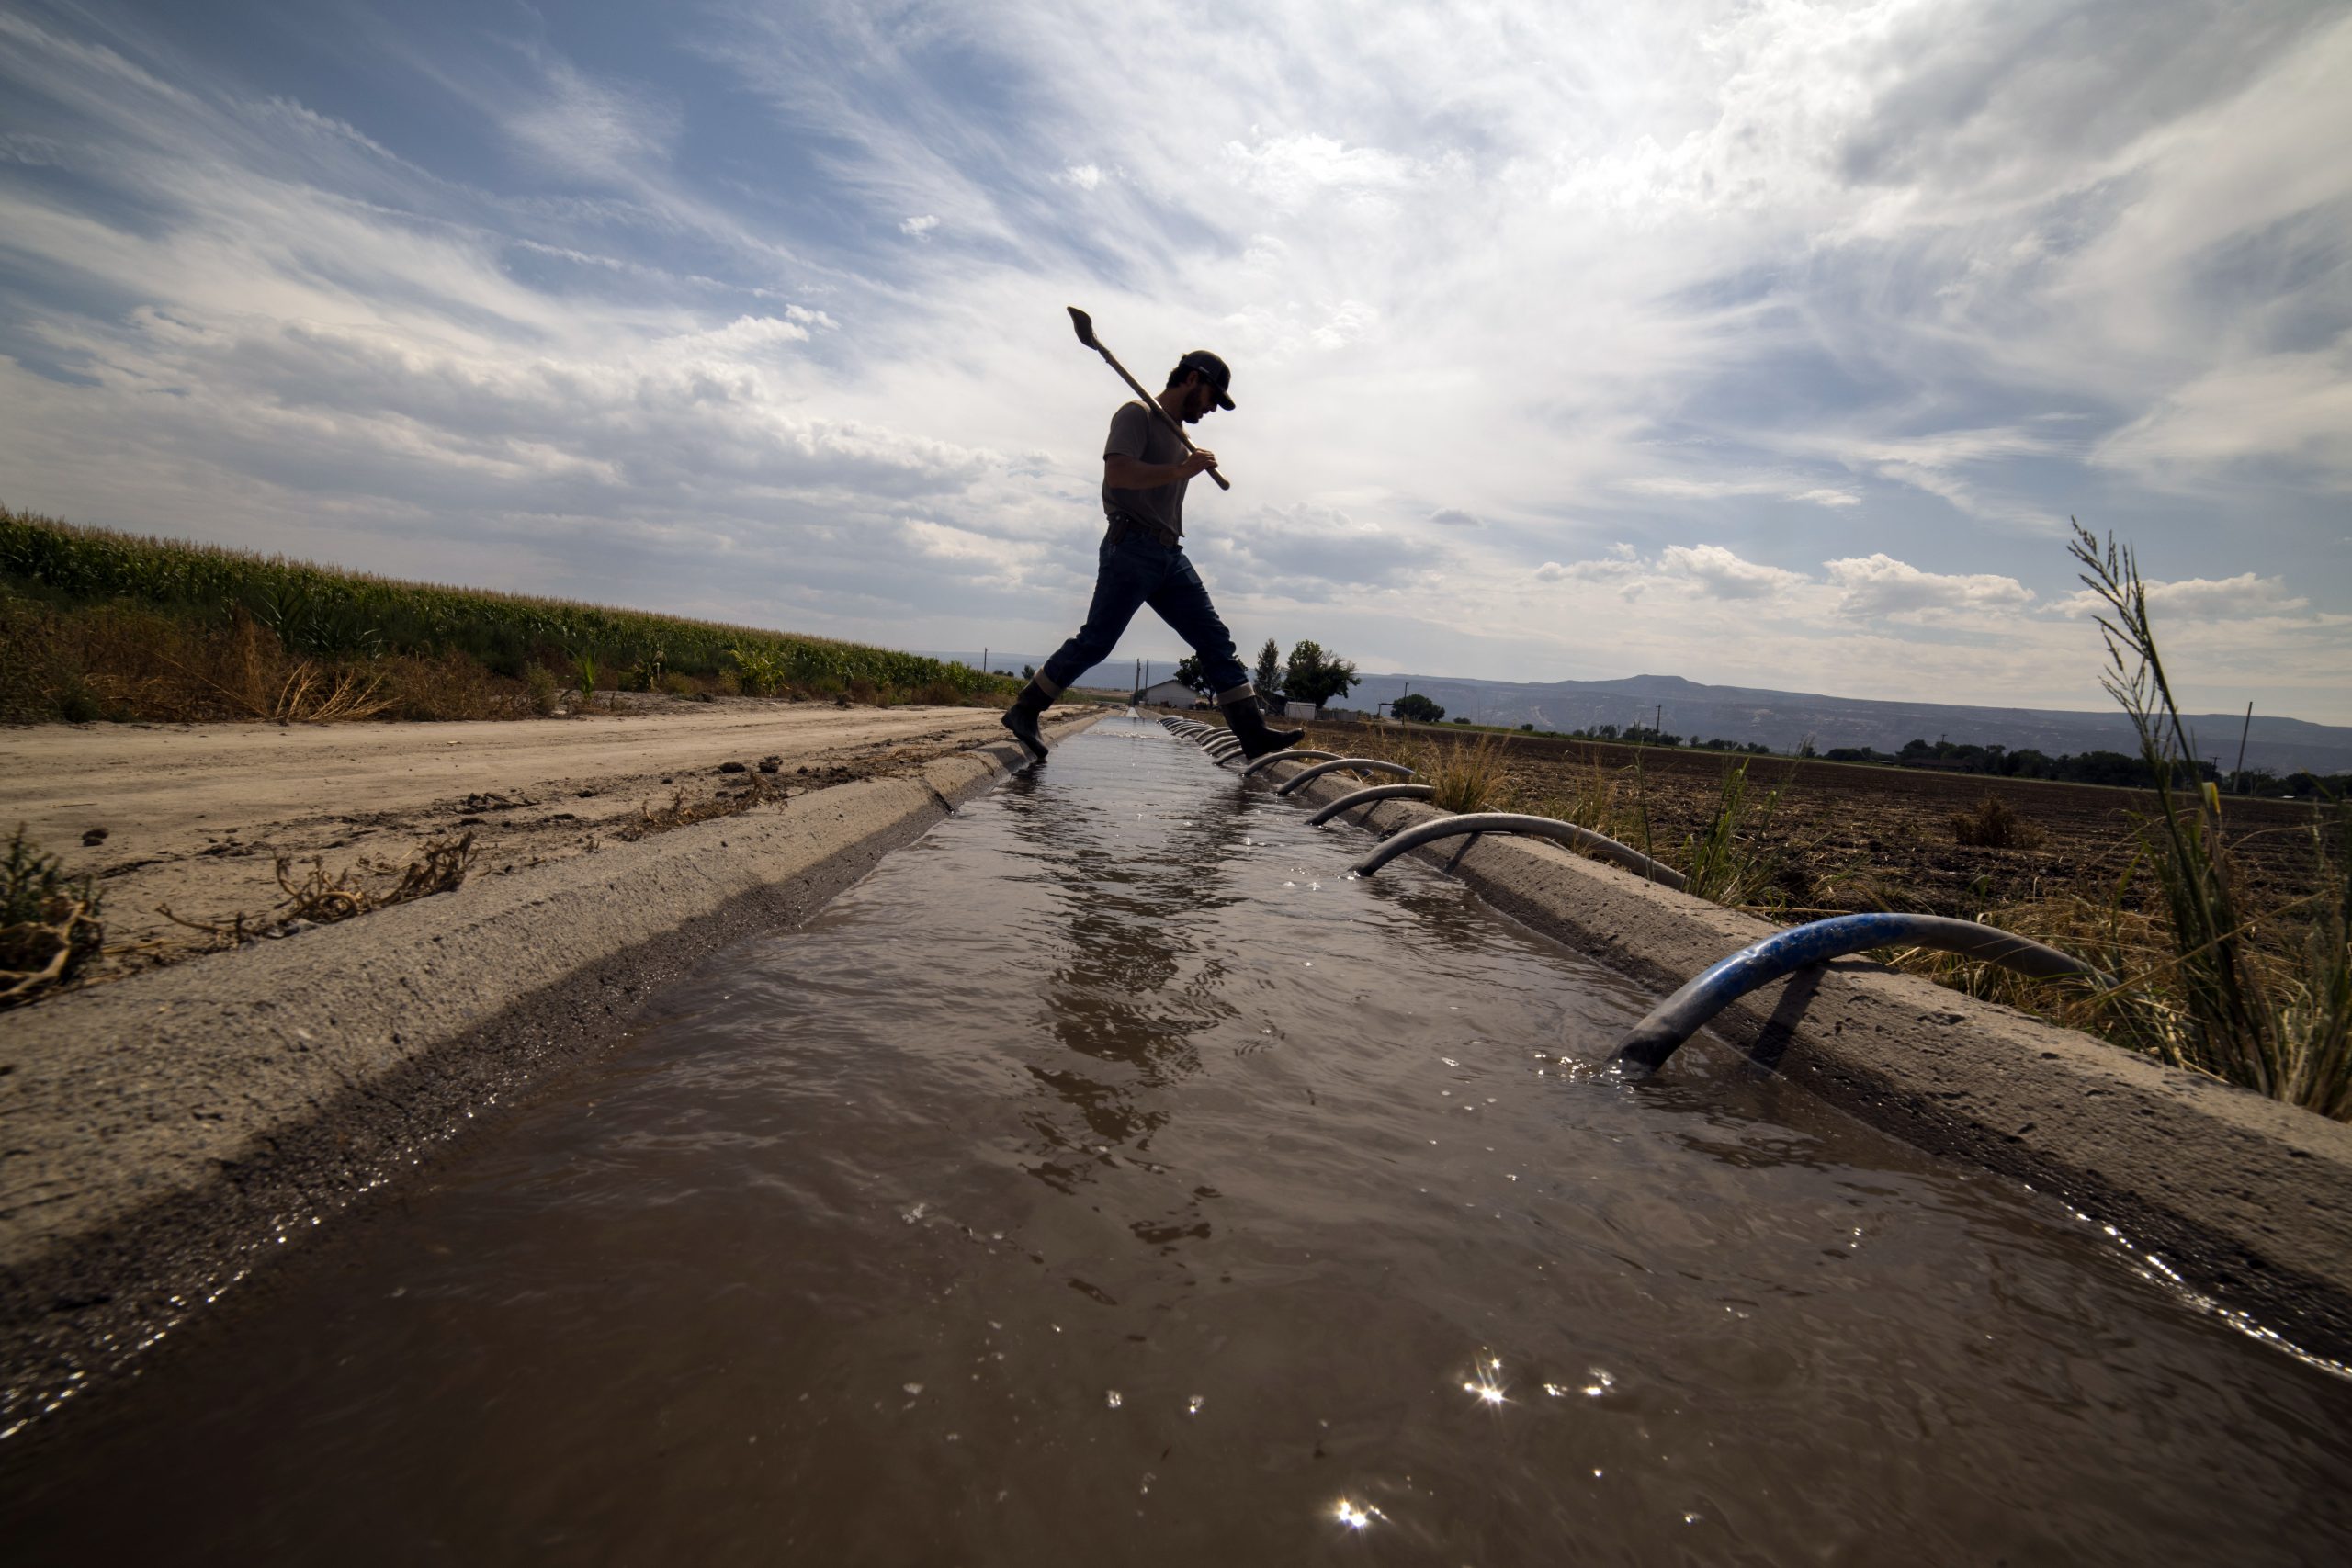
[2237, 779]
[984, 661]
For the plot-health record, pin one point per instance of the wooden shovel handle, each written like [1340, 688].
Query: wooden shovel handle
[1153, 404]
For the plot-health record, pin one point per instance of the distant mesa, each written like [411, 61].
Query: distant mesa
[1780, 719]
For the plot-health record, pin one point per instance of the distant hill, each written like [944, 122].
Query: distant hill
[1780, 719]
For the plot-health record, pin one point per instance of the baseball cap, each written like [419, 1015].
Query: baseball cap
[1212, 368]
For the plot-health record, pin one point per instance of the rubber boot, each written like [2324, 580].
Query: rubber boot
[1248, 722]
[1022, 719]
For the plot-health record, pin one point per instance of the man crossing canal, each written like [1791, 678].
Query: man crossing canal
[1142, 562]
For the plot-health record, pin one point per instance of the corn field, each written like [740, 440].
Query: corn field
[317, 612]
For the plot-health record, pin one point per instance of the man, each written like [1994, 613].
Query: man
[1145, 470]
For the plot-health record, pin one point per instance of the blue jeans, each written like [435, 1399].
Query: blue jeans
[1136, 571]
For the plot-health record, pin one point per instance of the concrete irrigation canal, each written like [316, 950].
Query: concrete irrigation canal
[1110, 1176]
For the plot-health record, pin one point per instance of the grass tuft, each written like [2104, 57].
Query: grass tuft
[1729, 863]
[1465, 775]
[49, 927]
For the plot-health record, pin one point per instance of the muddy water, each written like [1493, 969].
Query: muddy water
[1107, 1178]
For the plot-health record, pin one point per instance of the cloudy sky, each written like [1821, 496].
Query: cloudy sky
[1765, 343]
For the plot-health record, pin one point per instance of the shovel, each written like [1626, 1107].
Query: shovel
[1085, 325]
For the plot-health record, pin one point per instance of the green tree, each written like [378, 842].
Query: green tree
[1419, 709]
[1315, 676]
[1268, 676]
[1188, 670]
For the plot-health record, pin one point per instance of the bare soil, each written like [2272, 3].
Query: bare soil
[1853, 837]
[196, 818]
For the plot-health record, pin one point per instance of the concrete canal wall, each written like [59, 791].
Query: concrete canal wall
[162, 1134]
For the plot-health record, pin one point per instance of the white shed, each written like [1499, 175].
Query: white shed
[1167, 694]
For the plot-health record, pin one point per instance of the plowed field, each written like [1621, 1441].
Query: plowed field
[1857, 837]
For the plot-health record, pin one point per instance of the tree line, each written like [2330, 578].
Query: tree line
[1310, 674]
[2090, 767]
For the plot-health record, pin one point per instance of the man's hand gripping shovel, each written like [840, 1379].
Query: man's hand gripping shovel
[1085, 325]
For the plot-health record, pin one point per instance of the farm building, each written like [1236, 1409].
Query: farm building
[1167, 694]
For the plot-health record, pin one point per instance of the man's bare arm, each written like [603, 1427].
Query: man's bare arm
[1123, 472]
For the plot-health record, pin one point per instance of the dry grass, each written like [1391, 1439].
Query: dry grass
[759, 787]
[248, 672]
[313, 896]
[455, 687]
[440, 867]
[2204, 976]
[1993, 824]
[49, 927]
[124, 662]
[2293, 956]
[1734, 859]
[1463, 774]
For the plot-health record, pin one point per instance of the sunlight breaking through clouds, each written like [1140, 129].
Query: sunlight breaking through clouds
[1829, 315]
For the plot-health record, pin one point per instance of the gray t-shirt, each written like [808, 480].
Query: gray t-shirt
[1138, 433]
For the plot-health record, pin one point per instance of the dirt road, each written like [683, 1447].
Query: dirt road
[196, 818]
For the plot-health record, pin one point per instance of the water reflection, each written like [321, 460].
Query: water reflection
[1124, 982]
[1042, 1182]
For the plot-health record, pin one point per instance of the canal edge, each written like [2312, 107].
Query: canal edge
[165, 1135]
[2229, 1192]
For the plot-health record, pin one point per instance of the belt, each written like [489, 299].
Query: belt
[1127, 526]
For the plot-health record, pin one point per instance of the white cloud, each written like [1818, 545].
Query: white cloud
[1675, 487]
[1572, 270]
[1276, 333]
[1720, 572]
[1294, 172]
[1678, 487]
[2244, 596]
[1310, 552]
[2296, 406]
[591, 129]
[744, 335]
[1879, 586]
[1704, 571]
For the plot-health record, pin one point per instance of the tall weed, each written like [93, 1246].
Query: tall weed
[1468, 776]
[1728, 862]
[2262, 1000]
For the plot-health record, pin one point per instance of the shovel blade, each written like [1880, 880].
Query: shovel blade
[1085, 325]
